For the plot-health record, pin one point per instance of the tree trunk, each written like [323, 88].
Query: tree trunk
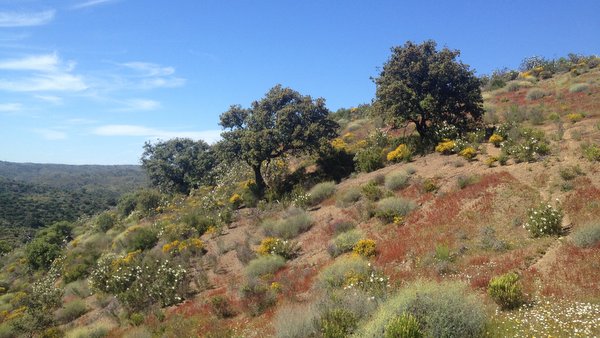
[260, 182]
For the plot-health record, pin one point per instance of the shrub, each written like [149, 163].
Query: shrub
[526, 144]
[40, 254]
[429, 185]
[294, 222]
[127, 204]
[570, 172]
[391, 207]
[336, 275]
[575, 117]
[469, 153]
[349, 196]
[396, 180]
[337, 227]
[365, 248]
[264, 265]
[338, 323]
[105, 221]
[198, 221]
[137, 318]
[320, 192]
[442, 310]
[401, 153]
[142, 238]
[446, 147]
[587, 236]
[277, 246]
[296, 321]
[464, 181]
[591, 151]
[147, 201]
[71, 311]
[98, 329]
[506, 291]
[221, 307]
[372, 191]
[535, 94]
[544, 220]
[404, 326]
[177, 247]
[496, 139]
[368, 159]
[344, 242]
[578, 87]
[258, 296]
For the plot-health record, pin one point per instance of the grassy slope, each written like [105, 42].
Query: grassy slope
[450, 217]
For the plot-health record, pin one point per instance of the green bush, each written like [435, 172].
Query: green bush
[127, 204]
[535, 94]
[524, 144]
[320, 192]
[142, 239]
[295, 221]
[587, 236]
[336, 275]
[337, 227]
[544, 220]
[296, 321]
[591, 151]
[369, 159]
[96, 330]
[578, 87]
[372, 191]
[338, 323]
[506, 291]
[391, 207]
[105, 221]
[147, 201]
[264, 265]
[396, 180]
[446, 309]
[403, 326]
[349, 196]
[137, 318]
[464, 181]
[221, 307]
[40, 254]
[344, 242]
[198, 221]
[71, 311]
[570, 172]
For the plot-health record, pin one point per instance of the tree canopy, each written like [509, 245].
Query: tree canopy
[428, 87]
[282, 122]
[179, 164]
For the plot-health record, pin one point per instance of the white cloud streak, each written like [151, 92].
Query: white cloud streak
[91, 3]
[209, 136]
[23, 19]
[139, 105]
[10, 107]
[46, 73]
[146, 75]
[51, 134]
[50, 99]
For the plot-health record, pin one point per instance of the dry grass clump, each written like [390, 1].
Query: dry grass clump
[396, 180]
[320, 192]
[587, 236]
[294, 222]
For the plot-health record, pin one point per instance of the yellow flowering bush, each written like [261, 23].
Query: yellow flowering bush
[235, 199]
[277, 246]
[192, 245]
[496, 139]
[401, 153]
[339, 144]
[469, 153]
[446, 147]
[490, 161]
[365, 248]
[575, 117]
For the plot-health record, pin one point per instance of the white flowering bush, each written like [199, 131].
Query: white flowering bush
[544, 220]
[139, 282]
[524, 144]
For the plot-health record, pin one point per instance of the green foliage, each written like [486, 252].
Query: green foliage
[276, 246]
[136, 318]
[264, 265]
[425, 86]
[336, 275]
[506, 291]
[127, 204]
[403, 326]
[579, 87]
[464, 181]
[523, 144]
[544, 220]
[591, 151]
[198, 221]
[142, 238]
[98, 329]
[349, 196]
[338, 323]
[498, 78]
[258, 296]
[296, 321]
[443, 310]
[221, 307]
[396, 180]
[372, 191]
[47, 246]
[369, 159]
[282, 122]
[71, 311]
[570, 172]
[535, 94]
[320, 192]
[294, 222]
[344, 242]
[178, 165]
[587, 236]
[147, 200]
[105, 221]
[391, 207]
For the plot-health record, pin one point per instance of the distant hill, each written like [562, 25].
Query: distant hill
[36, 195]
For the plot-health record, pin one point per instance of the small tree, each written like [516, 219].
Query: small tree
[179, 164]
[283, 122]
[427, 87]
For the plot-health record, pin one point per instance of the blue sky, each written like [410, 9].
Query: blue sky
[89, 81]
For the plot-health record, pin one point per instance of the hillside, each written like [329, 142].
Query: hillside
[36, 195]
[409, 246]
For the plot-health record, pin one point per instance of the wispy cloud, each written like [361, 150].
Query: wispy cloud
[50, 98]
[25, 19]
[51, 134]
[80, 121]
[46, 72]
[209, 136]
[149, 69]
[91, 3]
[139, 104]
[146, 75]
[10, 107]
